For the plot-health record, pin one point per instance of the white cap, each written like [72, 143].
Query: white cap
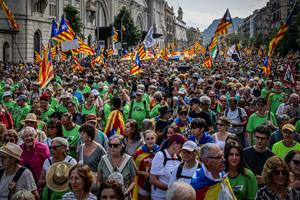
[6, 94]
[95, 92]
[190, 146]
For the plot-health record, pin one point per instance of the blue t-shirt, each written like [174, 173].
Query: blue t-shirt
[206, 138]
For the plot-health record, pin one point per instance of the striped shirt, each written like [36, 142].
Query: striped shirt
[71, 196]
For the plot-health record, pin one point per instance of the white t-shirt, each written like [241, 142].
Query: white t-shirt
[233, 117]
[68, 159]
[185, 172]
[164, 173]
[25, 182]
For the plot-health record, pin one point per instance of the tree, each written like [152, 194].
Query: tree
[131, 34]
[72, 15]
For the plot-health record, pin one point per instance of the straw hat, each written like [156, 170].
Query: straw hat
[31, 117]
[12, 150]
[57, 178]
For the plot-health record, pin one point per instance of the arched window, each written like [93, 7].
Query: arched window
[6, 53]
[37, 41]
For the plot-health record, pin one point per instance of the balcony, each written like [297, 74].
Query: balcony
[91, 6]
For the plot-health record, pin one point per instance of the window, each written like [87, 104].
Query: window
[52, 10]
[38, 7]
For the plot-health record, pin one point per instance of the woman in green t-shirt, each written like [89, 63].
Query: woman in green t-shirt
[242, 180]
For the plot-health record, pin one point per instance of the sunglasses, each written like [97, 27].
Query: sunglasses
[296, 162]
[282, 172]
[113, 145]
[55, 147]
[220, 124]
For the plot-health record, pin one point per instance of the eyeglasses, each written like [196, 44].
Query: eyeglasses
[55, 147]
[296, 162]
[220, 124]
[216, 157]
[113, 145]
[282, 172]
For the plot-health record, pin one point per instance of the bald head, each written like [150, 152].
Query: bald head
[181, 190]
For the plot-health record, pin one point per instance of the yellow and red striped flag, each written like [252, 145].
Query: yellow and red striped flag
[46, 73]
[115, 35]
[76, 66]
[141, 51]
[84, 48]
[136, 65]
[62, 56]
[53, 52]
[207, 59]
[9, 15]
[110, 52]
[65, 31]
[37, 58]
[164, 55]
[224, 24]
[98, 59]
[44, 51]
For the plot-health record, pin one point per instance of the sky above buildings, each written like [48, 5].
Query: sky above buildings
[201, 13]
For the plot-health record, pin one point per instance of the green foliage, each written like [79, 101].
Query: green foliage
[131, 35]
[73, 16]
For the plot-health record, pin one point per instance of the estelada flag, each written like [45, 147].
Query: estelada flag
[9, 15]
[46, 73]
[114, 124]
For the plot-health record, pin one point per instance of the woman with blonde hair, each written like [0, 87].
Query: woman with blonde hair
[276, 178]
[222, 124]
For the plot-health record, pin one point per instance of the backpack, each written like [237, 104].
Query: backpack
[15, 178]
[239, 111]
[116, 174]
[166, 159]
[179, 171]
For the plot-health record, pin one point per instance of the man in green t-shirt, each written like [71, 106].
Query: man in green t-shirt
[275, 98]
[8, 102]
[261, 116]
[46, 110]
[139, 109]
[70, 132]
[288, 143]
[22, 109]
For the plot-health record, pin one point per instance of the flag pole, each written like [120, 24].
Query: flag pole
[14, 40]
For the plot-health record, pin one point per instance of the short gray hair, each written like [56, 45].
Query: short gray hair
[205, 100]
[182, 190]
[282, 118]
[61, 141]
[23, 194]
[205, 149]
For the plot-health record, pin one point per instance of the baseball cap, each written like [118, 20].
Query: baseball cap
[6, 94]
[289, 127]
[262, 101]
[177, 138]
[190, 146]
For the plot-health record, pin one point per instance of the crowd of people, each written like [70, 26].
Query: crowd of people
[174, 131]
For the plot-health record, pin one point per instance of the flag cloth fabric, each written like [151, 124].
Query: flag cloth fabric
[115, 35]
[76, 66]
[62, 56]
[207, 59]
[46, 72]
[283, 29]
[98, 59]
[208, 188]
[114, 124]
[136, 65]
[83, 48]
[164, 55]
[12, 22]
[53, 52]
[37, 58]
[44, 51]
[141, 51]
[213, 47]
[267, 66]
[142, 158]
[149, 40]
[224, 24]
[233, 54]
[54, 29]
[110, 52]
[65, 32]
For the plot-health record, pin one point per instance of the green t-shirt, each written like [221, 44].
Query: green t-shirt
[146, 97]
[45, 115]
[281, 150]
[54, 195]
[244, 186]
[255, 120]
[73, 138]
[126, 112]
[154, 112]
[139, 111]
[86, 89]
[275, 100]
[106, 111]
[20, 114]
[92, 110]
[61, 108]
[10, 105]
[264, 93]
[54, 103]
